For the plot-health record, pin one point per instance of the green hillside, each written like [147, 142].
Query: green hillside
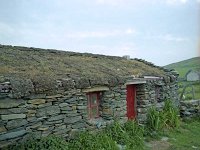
[184, 66]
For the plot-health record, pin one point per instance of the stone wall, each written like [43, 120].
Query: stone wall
[39, 115]
[27, 110]
[154, 93]
[190, 108]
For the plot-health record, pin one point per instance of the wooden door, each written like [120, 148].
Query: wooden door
[130, 98]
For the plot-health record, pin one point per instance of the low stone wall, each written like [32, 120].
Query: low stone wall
[27, 109]
[62, 114]
[147, 96]
[190, 108]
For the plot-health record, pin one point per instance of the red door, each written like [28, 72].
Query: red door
[130, 98]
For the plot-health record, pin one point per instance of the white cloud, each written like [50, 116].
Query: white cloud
[167, 37]
[174, 2]
[100, 34]
[110, 2]
[130, 31]
[143, 2]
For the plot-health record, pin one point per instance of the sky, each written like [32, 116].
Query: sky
[159, 31]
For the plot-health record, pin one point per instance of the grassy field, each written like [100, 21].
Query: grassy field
[187, 137]
[184, 66]
[188, 94]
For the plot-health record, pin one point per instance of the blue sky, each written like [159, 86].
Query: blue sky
[160, 31]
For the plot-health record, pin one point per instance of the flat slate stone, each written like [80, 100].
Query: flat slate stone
[66, 108]
[71, 120]
[12, 135]
[10, 103]
[37, 101]
[16, 123]
[63, 104]
[12, 116]
[45, 105]
[2, 129]
[18, 110]
[58, 117]
[48, 111]
[78, 125]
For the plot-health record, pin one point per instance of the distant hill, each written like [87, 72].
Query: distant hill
[184, 66]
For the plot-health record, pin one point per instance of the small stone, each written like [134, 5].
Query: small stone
[194, 147]
[31, 111]
[43, 128]
[107, 111]
[13, 111]
[63, 104]
[2, 129]
[66, 108]
[36, 125]
[52, 122]
[45, 105]
[37, 101]
[12, 116]
[54, 96]
[37, 96]
[164, 139]
[58, 117]
[12, 135]
[16, 123]
[63, 127]
[32, 119]
[48, 111]
[72, 114]
[81, 107]
[78, 125]
[117, 94]
[74, 107]
[10, 103]
[71, 100]
[71, 120]
[30, 115]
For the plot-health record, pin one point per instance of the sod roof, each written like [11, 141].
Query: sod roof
[44, 69]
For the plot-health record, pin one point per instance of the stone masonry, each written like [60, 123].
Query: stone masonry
[25, 114]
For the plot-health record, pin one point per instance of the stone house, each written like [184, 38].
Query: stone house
[55, 92]
[192, 76]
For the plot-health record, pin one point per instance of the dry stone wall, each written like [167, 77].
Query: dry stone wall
[190, 108]
[29, 111]
[39, 115]
[154, 93]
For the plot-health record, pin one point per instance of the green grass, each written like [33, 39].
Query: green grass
[188, 93]
[158, 121]
[128, 135]
[31, 62]
[184, 66]
[186, 136]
